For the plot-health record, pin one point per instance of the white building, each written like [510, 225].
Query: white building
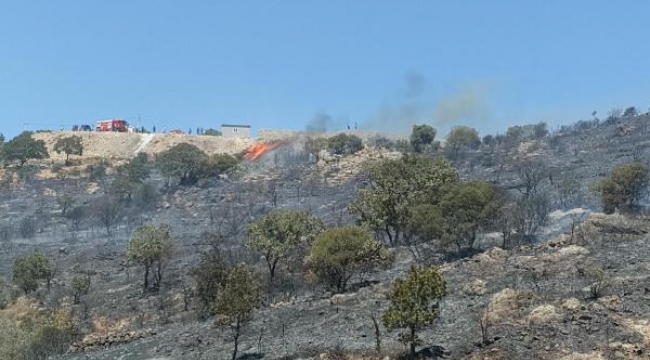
[242, 131]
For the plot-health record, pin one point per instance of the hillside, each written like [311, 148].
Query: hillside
[113, 145]
[577, 290]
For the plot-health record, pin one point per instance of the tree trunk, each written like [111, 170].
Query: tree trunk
[412, 343]
[146, 278]
[236, 336]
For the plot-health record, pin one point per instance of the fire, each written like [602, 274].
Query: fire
[258, 150]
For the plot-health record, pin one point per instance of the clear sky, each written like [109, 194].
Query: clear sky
[282, 64]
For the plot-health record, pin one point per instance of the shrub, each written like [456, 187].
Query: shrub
[182, 161]
[342, 144]
[339, 254]
[624, 188]
[28, 227]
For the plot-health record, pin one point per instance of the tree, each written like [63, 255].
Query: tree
[490, 141]
[29, 270]
[613, 115]
[23, 148]
[530, 213]
[531, 173]
[237, 300]
[71, 145]
[80, 286]
[465, 209]
[414, 304]
[108, 212]
[394, 185]
[218, 164]
[278, 234]
[624, 187]
[151, 246]
[422, 136]
[338, 254]
[130, 176]
[342, 144]
[210, 275]
[462, 138]
[182, 161]
[540, 130]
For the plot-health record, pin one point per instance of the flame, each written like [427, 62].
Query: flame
[258, 150]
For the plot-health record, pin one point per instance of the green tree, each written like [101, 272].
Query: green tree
[394, 185]
[422, 137]
[151, 246]
[218, 164]
[182, 161]
[23, 148]
[30, 269]
[80, 286]
[465, 209]
[71, 145]
[624, 188]
[339, 254]
[343, 143]
[414, 304]
[462, 138]
[280, 233]
[237, 301]
[210, 275]
[130, 176]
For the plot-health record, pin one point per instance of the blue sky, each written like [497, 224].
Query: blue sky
[279, 64]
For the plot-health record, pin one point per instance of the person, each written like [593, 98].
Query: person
[154, 128]
[190, 131]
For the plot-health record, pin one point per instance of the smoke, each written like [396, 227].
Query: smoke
[470, 103]
[406, 108]
[415, 103]
[320, 122]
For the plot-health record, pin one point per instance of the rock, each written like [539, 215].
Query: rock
[339, 299]
[544, 314]
[474, 288]
[571, 304]
[573, 250]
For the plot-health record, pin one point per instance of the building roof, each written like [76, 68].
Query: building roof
[237, 126]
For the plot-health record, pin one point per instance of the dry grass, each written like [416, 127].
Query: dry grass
[506, 305]
[595, 355]
[544, 314]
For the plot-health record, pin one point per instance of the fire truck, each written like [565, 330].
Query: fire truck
[112, 125]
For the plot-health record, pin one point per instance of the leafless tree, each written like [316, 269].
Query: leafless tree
[108, 212]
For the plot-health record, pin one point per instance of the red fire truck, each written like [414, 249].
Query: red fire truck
[112, 125]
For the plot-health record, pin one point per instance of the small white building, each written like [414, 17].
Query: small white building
[242, 131]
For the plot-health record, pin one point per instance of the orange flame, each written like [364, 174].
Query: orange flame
[258, 150]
